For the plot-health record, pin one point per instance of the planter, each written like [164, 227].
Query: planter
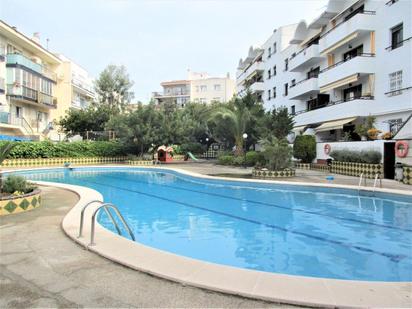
[140, 162]
[355, 169]
[407, 175]
[303, 166]
[273, 174]
[61, 161]
[21, 203]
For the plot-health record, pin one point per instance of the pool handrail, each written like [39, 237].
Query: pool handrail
[93, 221]
[82, 215]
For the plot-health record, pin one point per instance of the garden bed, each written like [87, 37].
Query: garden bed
[11, 204]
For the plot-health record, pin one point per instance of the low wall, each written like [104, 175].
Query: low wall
[61, 161]
[355, 169]
[273, 174]
[141, 162]
[21, 203]
[407, 175]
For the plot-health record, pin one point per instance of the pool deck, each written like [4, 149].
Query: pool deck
[273, 287]
[41, 267]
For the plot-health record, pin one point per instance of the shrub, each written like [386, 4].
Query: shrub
[364, 156]
[254, 158]
[304, 148]
[277, 154]
[225, 160]
[238, 160]
[47, 149]
[195, 148]
[18, 184]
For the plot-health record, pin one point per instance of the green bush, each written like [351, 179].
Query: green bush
[277, 154]
[15, 183]
[226, 160]
[46, 149]
[195, 148]
[355, 156]
[238, 160]
[254, 158]
[304, 148]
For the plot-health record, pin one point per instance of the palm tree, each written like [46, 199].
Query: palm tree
[236, 120]
[5, 149]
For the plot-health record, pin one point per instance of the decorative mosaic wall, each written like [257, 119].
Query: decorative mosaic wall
[148, 162]
[273, 174]
[355, 169]
[20, 203]
[407, 175]
[61, 161]
[312, 166]
[303, 166]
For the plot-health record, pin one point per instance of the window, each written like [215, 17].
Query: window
[359, 10]
[286, 64]
[269, 74]
[285, 93]
[203, 88]
[357, 51]
[293, 83]
[274, 48]
[313, 73]
[269, 52]
[352, 93]
[217, 87]
[292, 110]
[395, 83]
[19, 112]
[269, 94]
[395, 125]
[274, 92]
[274, 70]
[397, 36]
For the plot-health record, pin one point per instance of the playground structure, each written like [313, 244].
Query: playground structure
[164, 154]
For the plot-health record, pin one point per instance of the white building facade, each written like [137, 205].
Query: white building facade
[353, 61]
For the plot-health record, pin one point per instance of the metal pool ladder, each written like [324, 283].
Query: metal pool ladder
[105, 207]
[360, 181]
[377, 176]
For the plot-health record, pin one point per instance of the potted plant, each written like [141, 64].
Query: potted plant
[373, 133]
[363, 128]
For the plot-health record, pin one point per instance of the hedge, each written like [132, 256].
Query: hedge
[354, 156]
[46, 149]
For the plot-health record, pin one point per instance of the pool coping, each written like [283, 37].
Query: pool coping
[289, 289]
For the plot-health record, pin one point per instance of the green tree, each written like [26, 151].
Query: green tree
[113, 88]
[304, 148]
[5, 149]
[280, 122]
[94, 118]
[277, 153]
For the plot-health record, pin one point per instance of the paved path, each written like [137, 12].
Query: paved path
[41, 267]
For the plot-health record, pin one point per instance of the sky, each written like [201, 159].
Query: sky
[155, 40]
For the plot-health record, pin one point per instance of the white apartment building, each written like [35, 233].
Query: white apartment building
[354, 60]
[197, 88]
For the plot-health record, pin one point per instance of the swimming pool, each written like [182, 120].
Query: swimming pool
[296, 230]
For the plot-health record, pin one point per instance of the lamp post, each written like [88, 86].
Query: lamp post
[244, 142]
[207, 148]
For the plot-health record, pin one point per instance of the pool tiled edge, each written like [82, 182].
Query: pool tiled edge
[248, 283]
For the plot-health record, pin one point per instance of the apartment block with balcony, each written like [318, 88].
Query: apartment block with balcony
[75, 89]
[353, 61]
[27, 84]
[197, 88]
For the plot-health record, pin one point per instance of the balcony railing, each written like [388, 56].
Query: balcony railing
[12, 119]
[398, 44]
[390, 2]
[302, 81]
[30, 64]
[47, 99]
[346, 60]
[365, 97]
[345, 20]
[30, 94]
[397, 91]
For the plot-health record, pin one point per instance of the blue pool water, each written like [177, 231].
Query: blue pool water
[296, 230]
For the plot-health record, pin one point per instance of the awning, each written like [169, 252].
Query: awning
[298, 129]
[311, 37]
[334, 125]
[339, 83]
[345, 40]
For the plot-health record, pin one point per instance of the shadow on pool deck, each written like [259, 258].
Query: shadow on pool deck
[41, 267]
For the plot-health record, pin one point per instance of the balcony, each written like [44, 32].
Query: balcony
[83, 87]
[18, 59]
[257, 87]
[31, 96]
[255, 68]
[347, 30]
[2, 85]
[305, 58]
[337, 74]
[304, 88]
[358, 106]
[11, 121]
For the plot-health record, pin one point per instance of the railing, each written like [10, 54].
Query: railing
[47, 99]
[22, 91]
[344, 21]
[366, 97]
[83, 85]
[346, 60]
[397, 91]
[105, 207]
[302, 81]
[398, 44]
[30, 64]
[8, 118]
